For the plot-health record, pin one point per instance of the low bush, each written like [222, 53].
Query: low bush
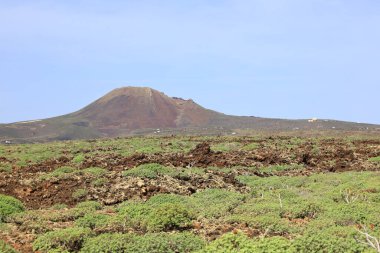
[352, 214]
[160, 199]
[59, 207]
[135, 215]
[281, 168]
[168, 217]
[240, 243]
[374, 159]
[79, 193]
[230, 243]
[84, 208]
[69, 239]
[5, 248]
[99, 182]
[276, 244]
[89, 205]
[8, 206]
[152, 243]
[79, 158]
[226, 146]
[5, 167]
[334, 239]
[214, 203]
[163, 217]
[59, 173]
[151, 170]
[95, 171]
[93, 221]
[301, 211]
[251, 146]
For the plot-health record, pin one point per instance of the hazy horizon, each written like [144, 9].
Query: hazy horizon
[294, 59]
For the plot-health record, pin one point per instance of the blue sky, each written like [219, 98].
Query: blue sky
[268, 58]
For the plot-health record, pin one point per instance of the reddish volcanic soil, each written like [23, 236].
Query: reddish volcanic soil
[332, 156]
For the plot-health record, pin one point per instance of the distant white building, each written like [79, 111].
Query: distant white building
[312, 120]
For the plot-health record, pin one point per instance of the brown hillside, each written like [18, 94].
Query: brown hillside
[136, 110]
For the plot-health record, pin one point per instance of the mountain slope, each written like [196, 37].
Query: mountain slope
[132, 110]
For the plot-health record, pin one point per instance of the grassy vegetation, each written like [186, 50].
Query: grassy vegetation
[5, 167]
[226, 146]
[79, 158]
[80, 193]
[9, 206]
[131, 243]
[163, 217]
[374, 159]
[60, 172]
[282, 168]
[5, 248]
[269, 207]
[241, 243]
[95, 171]
[69, 239]
[152, 170]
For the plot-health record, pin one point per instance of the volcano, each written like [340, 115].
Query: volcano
[140, 110]
[134, 108]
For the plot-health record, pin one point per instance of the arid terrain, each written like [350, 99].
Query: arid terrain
[254, 191]
[132, 111]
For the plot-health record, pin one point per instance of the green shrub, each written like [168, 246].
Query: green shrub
[5, 167]
[152, 243]
[251, 146]
[374, 159]
[214, 203]
[230, 243]
[78, 159]
[274, 244]
[59, 173]
[217, 169]
[151, 170]
[280, 168]
[240, 243]
[271, 183]
[93, 220]
[89, 205]
[148, 149]
[99, 182]
[8, 206]
[5, 248]
[79, 193]
[154, 218]
[70, 239]
[59, 207]
[39, 220]
[355, 213]
[301, 211]
[135, 214]
[160, 199]
[95, 171]
[168, 217]
[226, 146]
[107, 243]
[334, 239]
[84, 208]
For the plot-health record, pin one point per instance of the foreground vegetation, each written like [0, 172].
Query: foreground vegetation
[287, 205]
